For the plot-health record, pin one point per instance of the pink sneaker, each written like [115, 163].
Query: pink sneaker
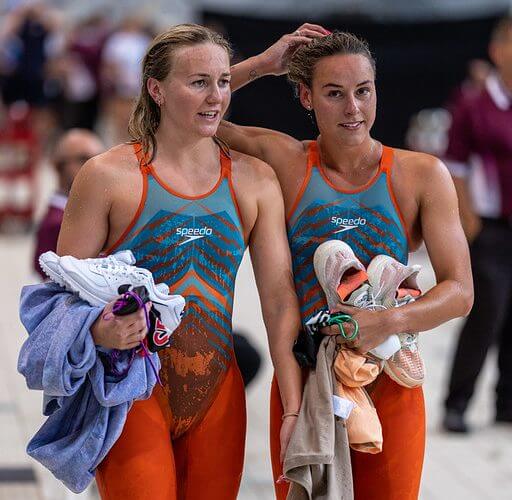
[339, 272]
[344, 279]
[395, 285]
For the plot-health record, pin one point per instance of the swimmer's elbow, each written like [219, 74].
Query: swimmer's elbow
[467, 299]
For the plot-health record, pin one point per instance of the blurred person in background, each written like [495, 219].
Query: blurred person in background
[24, 51]
[121, 73]
[72, 150]
[19, 157]
[478, 72]
[406, 197]
[479, 156]
[73, 73]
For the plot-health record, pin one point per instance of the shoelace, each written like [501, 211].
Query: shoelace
[109, 259]
[409, 341]
[115, 353]
[117, 268]
[368, 301]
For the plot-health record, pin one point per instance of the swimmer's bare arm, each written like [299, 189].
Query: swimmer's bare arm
[274, 60]
[448, 251]
[447, 248]
[271, 260]
[275, 148]
[83, 234]
[85, 225]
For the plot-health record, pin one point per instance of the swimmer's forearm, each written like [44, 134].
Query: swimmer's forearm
[289, 381]
[283, 328]
[248, 70]
[448, 300]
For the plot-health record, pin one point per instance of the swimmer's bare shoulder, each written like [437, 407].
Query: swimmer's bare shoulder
[426, 192]
[281, 151]
[254, 182]
[421, 171]
[102, 186]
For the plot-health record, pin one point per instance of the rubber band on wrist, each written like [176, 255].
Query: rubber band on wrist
[340, 320]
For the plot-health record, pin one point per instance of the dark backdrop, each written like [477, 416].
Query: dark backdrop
[418, 65]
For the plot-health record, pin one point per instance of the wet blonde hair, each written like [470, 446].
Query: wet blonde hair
[157, 63]
[303, 62]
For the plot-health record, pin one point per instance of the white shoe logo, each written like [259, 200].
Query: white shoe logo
[193, 233]
[347, 223]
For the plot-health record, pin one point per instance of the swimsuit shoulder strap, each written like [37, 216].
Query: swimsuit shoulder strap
[142, 158]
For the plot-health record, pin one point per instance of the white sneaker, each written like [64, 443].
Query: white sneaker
[395, 285]
[50, 263]
[99, 281]
[344, 279]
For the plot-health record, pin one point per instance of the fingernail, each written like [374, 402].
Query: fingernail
[281, 479]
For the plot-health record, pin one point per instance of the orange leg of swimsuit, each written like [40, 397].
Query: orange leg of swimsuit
[205, 462]
[396, 471]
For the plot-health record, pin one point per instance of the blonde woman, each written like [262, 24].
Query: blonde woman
[187, 208]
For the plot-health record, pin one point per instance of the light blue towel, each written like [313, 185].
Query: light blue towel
[86, 410]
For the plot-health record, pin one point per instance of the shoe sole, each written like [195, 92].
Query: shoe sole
[320, 257]
[55, 277]
[76, 287]
[403, 379]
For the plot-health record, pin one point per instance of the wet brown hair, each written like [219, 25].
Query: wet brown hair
[303, 62]
[157, 63]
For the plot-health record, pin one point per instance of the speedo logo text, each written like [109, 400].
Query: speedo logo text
[347, 223]
[193, 233]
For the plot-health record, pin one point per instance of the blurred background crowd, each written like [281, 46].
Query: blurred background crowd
[75, 66]
[67, 65]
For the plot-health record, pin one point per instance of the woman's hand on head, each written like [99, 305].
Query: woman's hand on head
[278, 55]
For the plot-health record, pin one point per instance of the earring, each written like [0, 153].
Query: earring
[311, 116]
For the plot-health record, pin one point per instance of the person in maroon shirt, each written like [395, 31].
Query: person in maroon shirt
[72, 150]
[479, 156]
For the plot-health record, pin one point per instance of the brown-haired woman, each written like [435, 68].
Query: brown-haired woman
[403, 198]
[187, 208]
